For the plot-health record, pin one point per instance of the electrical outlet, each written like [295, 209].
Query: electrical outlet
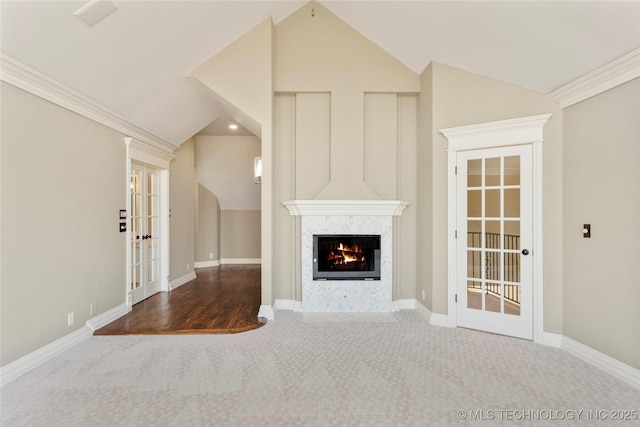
[210, 255]
[188, 265]
[424, 295]
[92, 308]
[70, 319]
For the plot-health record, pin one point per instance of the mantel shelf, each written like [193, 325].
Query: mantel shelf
[345, 207]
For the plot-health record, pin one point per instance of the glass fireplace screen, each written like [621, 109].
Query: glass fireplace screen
[346, 257]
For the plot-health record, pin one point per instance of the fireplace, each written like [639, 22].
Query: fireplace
[346, 218]
[346, 257]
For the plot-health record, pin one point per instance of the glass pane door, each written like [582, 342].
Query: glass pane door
[153, 227]
[493, 234]
[145, 232]
[136, 187]
[494, 201]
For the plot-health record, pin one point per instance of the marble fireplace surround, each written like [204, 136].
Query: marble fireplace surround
[346, 217]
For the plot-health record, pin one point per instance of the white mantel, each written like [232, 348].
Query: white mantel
[346, 217]
[346, 207]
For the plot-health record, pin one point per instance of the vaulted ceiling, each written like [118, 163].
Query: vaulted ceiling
[134, 61]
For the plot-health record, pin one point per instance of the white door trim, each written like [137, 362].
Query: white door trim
[525, 130]
[140, 152]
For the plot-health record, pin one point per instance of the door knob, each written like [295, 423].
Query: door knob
[525, 252]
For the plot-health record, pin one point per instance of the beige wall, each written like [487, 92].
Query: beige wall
[182, 201]
[63, 183]
[345, 123]
[602, 188]
[240, 234]
[424, 158]
[224, 165]
[330, 67]
[463, 98]
[208, 226]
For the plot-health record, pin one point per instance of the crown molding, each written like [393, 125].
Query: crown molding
[38, 84]
[620, 71]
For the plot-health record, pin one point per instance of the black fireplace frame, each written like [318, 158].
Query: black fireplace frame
[374, 274]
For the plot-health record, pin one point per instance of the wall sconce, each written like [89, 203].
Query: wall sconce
[257, 170]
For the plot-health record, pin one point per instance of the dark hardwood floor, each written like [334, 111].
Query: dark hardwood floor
[223, 299]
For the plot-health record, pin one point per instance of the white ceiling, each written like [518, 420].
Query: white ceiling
[134, 62]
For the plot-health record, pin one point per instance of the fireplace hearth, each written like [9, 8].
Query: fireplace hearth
[346, 257]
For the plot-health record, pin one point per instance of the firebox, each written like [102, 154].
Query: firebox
[346, 257]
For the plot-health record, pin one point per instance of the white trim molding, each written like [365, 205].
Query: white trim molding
[287, 304]
[345, 207]
[267, 312]
[438, 319]
[519, 131]
[206, 264]
[524, 130]
[600, 360]
[36, 358]
[231, 261]
[551, 340]
[179, 281]
[107, 317]
[423, 311]
[404, 304]
[38, 84]
[147, 154]
[620, 71]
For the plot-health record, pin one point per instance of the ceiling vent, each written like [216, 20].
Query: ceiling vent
[95, 11]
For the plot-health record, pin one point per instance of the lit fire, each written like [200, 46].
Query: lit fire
[345, 254]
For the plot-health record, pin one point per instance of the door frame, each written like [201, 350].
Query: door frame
[519, 131]
[144, 154]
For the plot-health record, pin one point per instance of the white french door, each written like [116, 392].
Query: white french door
[145, 233]
[494, 238]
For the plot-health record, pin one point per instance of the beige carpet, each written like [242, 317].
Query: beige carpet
[292, 372]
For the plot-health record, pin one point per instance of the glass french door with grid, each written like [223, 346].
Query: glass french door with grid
[494, 234]
[145, 232]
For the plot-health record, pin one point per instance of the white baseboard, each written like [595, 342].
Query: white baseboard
[551, 340]
[606, 363]
[26, 363]
[404, 304]
[266, 311]
[287, 304]
[107, 317]
[23, 365]
[423, 311]
[175, 283]
[227, 261]
[438, 319]
[240, 261]
[205, 264]
[434, 319]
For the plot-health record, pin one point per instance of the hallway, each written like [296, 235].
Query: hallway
[223, 299]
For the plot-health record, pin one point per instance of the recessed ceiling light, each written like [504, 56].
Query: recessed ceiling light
[233, 126]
